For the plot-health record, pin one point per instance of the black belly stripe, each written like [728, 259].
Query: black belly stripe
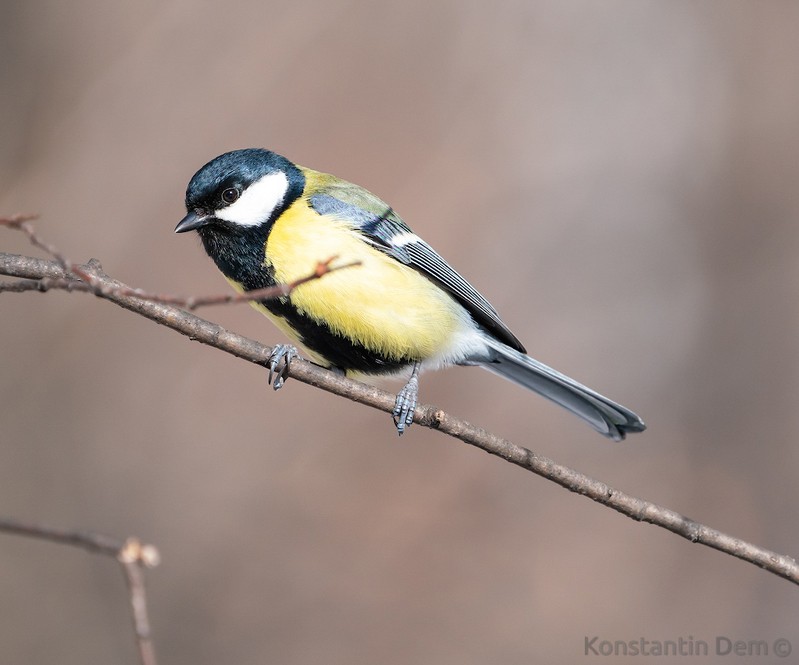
[238, 253]
[339, 351]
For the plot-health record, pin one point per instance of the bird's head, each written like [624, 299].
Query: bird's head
[239, 190]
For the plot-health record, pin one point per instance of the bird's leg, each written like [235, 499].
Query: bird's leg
[279, 361]
[405, 405]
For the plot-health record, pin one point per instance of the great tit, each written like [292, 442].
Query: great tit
[265, 220]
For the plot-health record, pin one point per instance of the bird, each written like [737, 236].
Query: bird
[401, 309]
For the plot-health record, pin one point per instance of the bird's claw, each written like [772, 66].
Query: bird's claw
[405, 406]
[279, 361]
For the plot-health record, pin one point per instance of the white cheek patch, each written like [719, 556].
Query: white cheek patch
[257, 203]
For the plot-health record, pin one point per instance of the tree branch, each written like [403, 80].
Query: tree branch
[132, 556]
[429, 416]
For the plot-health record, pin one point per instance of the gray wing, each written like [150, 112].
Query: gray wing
[384, 229]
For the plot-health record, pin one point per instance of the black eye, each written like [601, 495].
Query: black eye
[230, 195]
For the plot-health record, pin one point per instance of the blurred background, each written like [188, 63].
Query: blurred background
[619, 178]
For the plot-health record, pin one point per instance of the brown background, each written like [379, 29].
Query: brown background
[619, 178]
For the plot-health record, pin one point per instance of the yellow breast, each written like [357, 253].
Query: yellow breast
[380, 304]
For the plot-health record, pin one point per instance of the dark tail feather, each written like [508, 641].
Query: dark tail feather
[606, 417]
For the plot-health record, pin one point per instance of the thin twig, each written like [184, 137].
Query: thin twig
[79, 278]
[131, 557]
[44, 285]
[131, 554]
[214, 335]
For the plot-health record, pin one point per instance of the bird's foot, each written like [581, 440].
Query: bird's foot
[279, 361]
[405, 406]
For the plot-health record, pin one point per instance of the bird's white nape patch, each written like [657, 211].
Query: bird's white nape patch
[257, 203]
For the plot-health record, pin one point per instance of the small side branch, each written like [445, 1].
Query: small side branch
[132, 556]
[76, 277]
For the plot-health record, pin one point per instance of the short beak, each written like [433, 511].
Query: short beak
[192, 221]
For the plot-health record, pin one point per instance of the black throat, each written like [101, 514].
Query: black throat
[239, 253]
